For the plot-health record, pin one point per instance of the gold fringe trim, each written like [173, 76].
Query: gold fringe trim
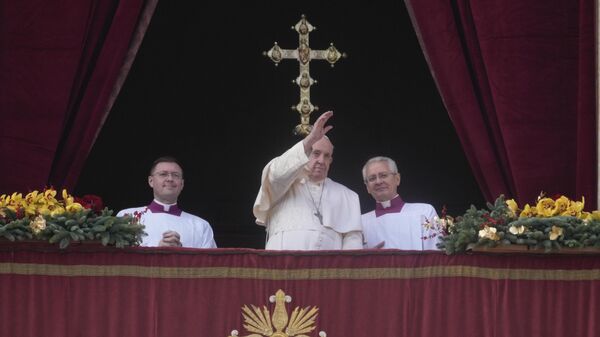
[298, 274]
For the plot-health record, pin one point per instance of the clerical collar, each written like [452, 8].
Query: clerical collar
[389, 206]
[312, 183]
[159, 207]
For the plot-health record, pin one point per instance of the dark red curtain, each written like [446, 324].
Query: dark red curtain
[105, 292]
[517, 79]
[61, 66]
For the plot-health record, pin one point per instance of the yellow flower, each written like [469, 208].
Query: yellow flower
[545, 207]
[40, 203]
[44, 210]
[38, 224]
[74, 207]
[70, 205]
[17, 197]
[555, 232]
[30, 210]
[575, 208]
[66, 197]
[528, 211]
[516, 229]
[586, 217]
[50, 193]
[31, 196]
[13, 201]
[512, 206]
[58, 210]
[560, 205]
[489, 233]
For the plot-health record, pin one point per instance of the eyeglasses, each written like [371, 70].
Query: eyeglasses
[165, 175]
[381, 176]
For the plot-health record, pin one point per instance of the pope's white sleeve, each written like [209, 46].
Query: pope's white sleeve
[352, 240]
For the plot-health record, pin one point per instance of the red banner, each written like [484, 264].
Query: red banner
[89, 290]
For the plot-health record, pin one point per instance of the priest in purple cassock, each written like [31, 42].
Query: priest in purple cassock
[394, 223]
[166, 225]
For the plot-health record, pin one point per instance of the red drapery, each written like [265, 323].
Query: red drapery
[517, 79]
[96, 291]
[61, 66]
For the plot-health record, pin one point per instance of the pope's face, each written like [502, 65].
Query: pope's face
[320, 159]
[166, 181]
[381, 182]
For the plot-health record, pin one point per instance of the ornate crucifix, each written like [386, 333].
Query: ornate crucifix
[304, 55]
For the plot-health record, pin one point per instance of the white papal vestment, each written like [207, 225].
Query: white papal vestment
[284, 205]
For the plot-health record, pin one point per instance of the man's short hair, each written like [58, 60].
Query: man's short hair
[165, 159]
[390, 163]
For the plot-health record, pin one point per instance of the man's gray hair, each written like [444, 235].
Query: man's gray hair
[389, 161]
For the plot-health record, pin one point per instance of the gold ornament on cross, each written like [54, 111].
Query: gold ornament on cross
[304, 81]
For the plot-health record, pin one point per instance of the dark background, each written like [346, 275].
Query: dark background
[201, 90]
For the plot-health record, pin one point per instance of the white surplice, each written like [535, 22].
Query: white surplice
[194, 231]
[402, 230]
[284, 205]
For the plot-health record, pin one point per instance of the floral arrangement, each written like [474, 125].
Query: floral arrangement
[41, 216]
[550, 224]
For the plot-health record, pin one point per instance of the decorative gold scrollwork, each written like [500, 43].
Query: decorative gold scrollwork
[260, 323]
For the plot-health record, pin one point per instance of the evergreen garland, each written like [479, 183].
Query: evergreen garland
[498, 225]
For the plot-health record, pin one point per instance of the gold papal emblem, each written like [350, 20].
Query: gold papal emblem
[260, 323]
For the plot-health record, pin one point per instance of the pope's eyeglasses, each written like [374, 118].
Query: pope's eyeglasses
[381, 176]
[165, 175]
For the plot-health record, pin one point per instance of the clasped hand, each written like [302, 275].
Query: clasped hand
[170, 239]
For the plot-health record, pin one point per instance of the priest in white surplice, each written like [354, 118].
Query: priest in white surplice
[166, 225]
[394, 223]
[301, 208]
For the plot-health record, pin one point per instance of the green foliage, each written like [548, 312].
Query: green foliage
[84, 225]
[547, 233]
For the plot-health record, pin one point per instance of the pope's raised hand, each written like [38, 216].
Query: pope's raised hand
[318, 130]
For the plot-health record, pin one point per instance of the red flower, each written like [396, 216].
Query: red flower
[92, 202]
[20, 213]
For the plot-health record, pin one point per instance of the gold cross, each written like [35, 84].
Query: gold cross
[304, 55]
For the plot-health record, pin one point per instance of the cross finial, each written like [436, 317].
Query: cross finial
[304, 54]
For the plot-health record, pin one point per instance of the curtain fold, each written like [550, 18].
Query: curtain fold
[517, 79]
[61, 67]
